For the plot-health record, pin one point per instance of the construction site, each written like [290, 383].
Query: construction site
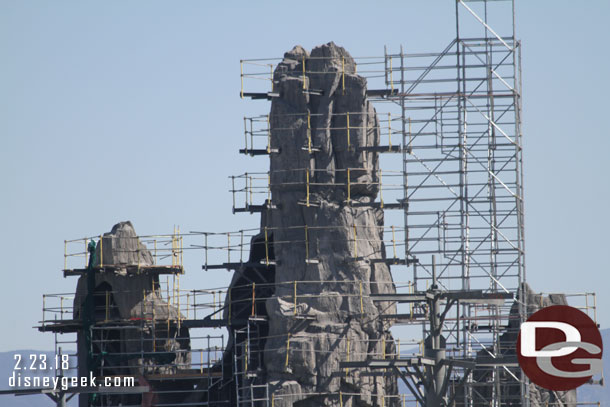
[389, 266]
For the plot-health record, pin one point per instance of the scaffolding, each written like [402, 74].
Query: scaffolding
[454, 118]
[450, 184]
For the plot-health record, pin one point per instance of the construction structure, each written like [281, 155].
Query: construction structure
[393, 206]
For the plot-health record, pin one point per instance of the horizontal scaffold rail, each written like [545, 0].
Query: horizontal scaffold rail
[258, 132]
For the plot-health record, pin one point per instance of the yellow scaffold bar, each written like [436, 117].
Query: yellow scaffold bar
[349, 189]
[247, 357]
[343, 73]
[355, 241]
[348, 135]
[391, 77]
[340, 399]
[309, 132]
[304, 79]
[241, 68]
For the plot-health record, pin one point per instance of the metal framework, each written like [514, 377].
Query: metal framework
[458, 114]
[451, 186]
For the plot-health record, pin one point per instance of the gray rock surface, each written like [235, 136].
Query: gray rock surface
[153, 343]
[539, 397]
[121, 247]
[328, 314]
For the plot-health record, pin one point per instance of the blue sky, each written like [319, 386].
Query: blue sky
[122, 110]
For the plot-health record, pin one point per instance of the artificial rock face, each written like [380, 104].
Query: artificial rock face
[511, 390]
[339, 260]
[120, 294]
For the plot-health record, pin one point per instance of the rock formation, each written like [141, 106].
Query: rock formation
[538, 396]
[153, 343]
[343, 245]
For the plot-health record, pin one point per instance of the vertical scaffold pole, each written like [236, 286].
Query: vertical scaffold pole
[268, 135]
[295, 297]
[394, 240]
[307, 186]
[306, 244]
[271, 75]
[287, 350]
[343, 73]
[266, 247]
[253, 299]
[391, 76]
[348, 355]
[349, 187]
[230, 302]
[304, 78]
[245, 135]
[241, 68]
[349, 145]
[381, 189]
[308, 132]
[361, 300]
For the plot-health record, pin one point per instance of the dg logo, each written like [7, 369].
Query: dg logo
[560, 348]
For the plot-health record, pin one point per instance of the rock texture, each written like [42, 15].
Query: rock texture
[309, 129]
[151, 345]
[538, 396]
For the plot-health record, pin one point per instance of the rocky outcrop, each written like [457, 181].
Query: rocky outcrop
[510, 390]
[134, 330]
[339, 260]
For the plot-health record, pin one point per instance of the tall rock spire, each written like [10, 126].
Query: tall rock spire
[323, 188]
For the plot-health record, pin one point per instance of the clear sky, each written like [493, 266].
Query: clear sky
[116, 110]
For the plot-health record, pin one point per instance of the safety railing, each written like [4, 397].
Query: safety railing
[256, 75]
[165, 250]
[258, 131]
[252, 191]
